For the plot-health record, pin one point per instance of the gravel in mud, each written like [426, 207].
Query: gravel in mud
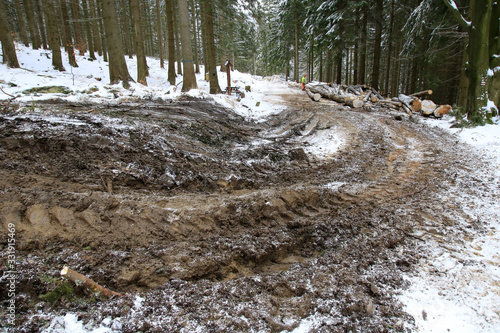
[211, 223]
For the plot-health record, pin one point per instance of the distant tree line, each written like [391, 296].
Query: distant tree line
[396, 46]
[186, 32]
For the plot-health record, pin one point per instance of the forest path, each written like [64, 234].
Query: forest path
[315, 213]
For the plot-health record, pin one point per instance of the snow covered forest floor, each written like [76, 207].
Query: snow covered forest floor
[267, 214]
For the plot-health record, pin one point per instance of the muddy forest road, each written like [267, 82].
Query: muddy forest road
[211, 223]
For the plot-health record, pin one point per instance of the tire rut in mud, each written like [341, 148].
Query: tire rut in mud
[223, 216]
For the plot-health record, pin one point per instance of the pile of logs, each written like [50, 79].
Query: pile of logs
[363, 96]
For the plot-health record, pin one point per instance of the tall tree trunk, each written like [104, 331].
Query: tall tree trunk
[41, 25]
[189, 80]
[329, 65]
[494, 86]
[81, 44]
[296, 51]
[479, 43]
[53, 34]
[363, 41]
[22, 24]
[117, 66]
[88, 28]
[321, 75]
[148, 30]
[209, 27]
[142, 66]
[68, 41]
[95, 25]
[377, 48]
[171, 41]
[127, 43]
[356, 48]
[159, 26]
[196, 44]
[338, 59]
[6, 39]
[32, 24]
[178, 55]
[395, 73]
[478, 63]
[102, 28]
[222, 43]
[389, 50]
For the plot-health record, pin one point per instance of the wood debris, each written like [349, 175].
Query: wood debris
[364, 96]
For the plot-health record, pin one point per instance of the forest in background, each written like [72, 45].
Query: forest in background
[392, 45]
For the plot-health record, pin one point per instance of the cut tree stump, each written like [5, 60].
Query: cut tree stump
[80, 279]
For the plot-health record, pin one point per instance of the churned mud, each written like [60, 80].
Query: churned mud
[211, 223]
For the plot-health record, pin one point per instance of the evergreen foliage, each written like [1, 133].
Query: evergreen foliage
[394, 45]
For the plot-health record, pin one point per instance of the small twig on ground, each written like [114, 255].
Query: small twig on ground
[410, 194]
[7, 93]
[10, 100]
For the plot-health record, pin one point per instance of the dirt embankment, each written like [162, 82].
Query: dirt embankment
[219, 223]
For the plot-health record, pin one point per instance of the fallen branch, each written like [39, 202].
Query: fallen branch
[80, 279]
[10, 100]
[422, 93]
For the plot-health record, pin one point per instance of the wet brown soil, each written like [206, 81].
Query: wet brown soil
[215, 223]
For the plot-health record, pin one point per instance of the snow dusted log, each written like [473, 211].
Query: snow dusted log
[315, 97]
[80, 279]
[422, 93]
[346, 99]
[391, 103]
[442, 110]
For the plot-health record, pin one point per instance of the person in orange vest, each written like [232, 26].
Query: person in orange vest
[304, 82]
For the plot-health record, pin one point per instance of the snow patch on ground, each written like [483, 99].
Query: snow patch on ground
[456, 287]
[89, 83]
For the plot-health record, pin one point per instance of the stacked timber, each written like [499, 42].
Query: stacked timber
[363, 96]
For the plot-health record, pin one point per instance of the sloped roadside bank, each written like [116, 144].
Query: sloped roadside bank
[215, 224]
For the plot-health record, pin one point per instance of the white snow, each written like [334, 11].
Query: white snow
[458, 288]
[90, 83]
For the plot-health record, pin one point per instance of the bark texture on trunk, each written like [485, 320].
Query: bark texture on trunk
[142, 66]
[189, 80]
[6, 39]
[171, 41]
[209, 27]
[53, 34]
[117, 66]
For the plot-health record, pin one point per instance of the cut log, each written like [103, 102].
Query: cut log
[356, 103]
[428, 107]
[406, 100]
[315, 97]
[422, 93]
[442, 110]
[326, 92]
[376, 93]
[416, 105]
[391, 103]
[80, 279]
